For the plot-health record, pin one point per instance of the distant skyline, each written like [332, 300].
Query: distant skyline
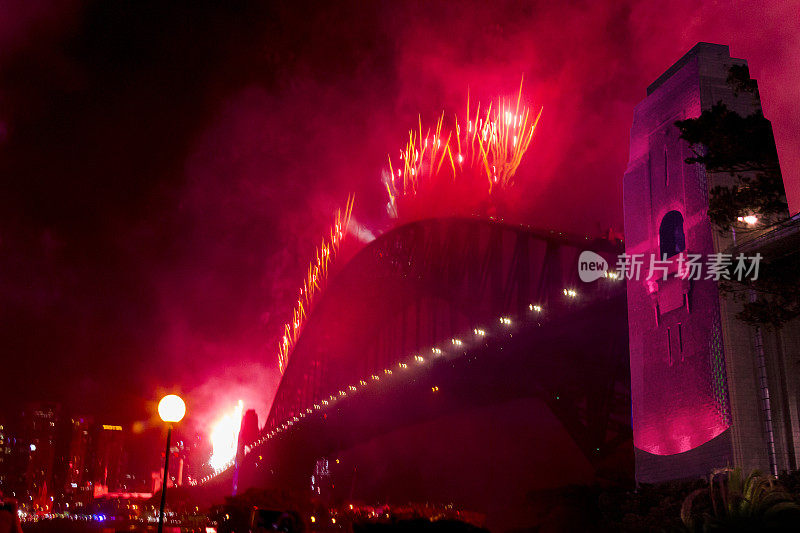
[167, 171]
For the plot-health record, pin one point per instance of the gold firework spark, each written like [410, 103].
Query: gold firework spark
[314, 282]
[489, 144]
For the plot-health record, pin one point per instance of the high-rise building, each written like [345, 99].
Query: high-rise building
[708, 390]
[74, 474]
[107, 458]
[38, 450]
[54, 462]
[7, 444]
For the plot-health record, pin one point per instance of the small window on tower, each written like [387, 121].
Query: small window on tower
[669, 347]
[671, 237]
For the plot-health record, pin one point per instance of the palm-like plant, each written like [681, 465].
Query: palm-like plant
[737, 503]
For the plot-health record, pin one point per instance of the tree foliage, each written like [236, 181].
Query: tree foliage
[774, 298]
[740, 152]
[741, 503]
[725, 142]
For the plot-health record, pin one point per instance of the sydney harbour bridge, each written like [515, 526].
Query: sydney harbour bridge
[446, 352]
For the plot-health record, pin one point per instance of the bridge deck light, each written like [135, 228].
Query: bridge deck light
[375, 377]
[362, 382]
[456, 342]
[505, 320]
[535, 308]
[387, 371]
[353, 387]
[419, 359]
[571, 293]
[436, 351]
[479, 332]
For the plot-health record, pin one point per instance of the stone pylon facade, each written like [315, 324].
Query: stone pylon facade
[708, 391]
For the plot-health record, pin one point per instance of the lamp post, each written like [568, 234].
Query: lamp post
[171, 410]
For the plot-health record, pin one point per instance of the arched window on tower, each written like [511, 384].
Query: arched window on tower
[672, 239]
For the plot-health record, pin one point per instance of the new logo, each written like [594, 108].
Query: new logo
[591, 266]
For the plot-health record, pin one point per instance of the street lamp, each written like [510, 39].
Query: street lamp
[171, 410]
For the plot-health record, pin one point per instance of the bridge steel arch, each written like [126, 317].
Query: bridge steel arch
[424, 283]
[420, 286]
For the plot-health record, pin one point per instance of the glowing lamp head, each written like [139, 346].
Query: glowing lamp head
[171, 408]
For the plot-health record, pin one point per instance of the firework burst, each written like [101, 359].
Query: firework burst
[480, 155]
[314, 282]
[225, 438]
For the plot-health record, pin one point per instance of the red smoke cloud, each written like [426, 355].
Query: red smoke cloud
[588, 64]
[181, 180]
[272, 166]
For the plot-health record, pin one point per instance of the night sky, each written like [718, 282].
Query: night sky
[167, 168]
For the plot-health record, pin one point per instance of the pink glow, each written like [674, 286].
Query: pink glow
[685, 430]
